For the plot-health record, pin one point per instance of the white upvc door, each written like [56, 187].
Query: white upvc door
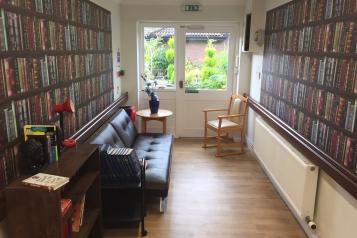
[152, 47]
[202, 79]
[206, 75]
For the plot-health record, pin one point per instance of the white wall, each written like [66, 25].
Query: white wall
[244, 75]
[132, 14]
[254, 92]
[114, 8]
[336, 209]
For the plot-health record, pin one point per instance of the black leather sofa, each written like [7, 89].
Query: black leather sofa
[156, 149]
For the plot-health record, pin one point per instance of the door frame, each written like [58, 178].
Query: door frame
[233, 26]
[232, 76]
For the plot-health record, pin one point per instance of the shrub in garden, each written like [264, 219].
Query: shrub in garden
[210, 62]
[170, 59]
[155, 57]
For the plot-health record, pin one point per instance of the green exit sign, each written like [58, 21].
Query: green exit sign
[192, 8]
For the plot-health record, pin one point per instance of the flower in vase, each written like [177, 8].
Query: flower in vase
[150, 88]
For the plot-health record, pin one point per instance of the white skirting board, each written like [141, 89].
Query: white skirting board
[293, 176]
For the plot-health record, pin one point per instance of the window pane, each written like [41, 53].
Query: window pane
[206, 63]
[159, 55]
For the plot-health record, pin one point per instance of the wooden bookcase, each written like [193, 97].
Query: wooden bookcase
[310, 75]
[35, 212]
[50, 50]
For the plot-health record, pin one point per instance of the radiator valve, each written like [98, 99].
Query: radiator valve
[310, 223]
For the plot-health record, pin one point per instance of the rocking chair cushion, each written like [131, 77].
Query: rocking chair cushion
[225, 123]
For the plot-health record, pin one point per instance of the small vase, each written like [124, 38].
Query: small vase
[154, 106]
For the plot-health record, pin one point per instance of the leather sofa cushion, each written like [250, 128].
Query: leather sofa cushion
[107, 136]
[125, 128]
[156, 150]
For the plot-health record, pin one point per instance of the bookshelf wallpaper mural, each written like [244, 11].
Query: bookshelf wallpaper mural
[50, 50]
[310, 73]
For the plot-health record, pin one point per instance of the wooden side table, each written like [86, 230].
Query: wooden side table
[146, 115]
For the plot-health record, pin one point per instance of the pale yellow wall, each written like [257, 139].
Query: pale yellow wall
[132, 14]
[336, 209]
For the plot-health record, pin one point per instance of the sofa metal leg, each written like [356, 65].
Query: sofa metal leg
[142, 228]
[163, 204]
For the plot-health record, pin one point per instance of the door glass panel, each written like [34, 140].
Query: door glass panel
[159, 55]
[206, 61]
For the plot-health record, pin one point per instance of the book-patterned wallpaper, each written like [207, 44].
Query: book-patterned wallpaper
[50, 50]
[310, 73]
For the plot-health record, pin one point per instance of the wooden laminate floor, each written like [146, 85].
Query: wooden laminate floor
[213, 197]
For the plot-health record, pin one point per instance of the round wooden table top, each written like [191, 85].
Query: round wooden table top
[160, 114]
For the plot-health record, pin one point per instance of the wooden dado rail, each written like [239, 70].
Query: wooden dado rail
[338, 172]
[92, 126]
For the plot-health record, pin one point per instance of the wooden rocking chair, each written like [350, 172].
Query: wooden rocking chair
[234, 121]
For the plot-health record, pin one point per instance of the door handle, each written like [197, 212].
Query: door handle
[181, 83]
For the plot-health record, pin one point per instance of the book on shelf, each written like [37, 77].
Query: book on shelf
[77, 218]
[46, 181]
[47, 134]
[67, 229]
[65, 206]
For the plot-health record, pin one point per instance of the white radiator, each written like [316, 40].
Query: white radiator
[294, 176]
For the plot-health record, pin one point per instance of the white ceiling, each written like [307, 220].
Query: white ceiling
[181, 2]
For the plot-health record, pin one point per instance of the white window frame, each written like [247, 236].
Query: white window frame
[140, 54]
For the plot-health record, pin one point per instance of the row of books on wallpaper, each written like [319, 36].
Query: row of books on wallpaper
[305, 11]
[328, 71]
[32, 110]
[85, 90]
[19, 75]
[80, 11]
[8, 164]
[339, 146]
[21, 32]
[38, 110]
[89, 111]
[332, 37]
[334, 108]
